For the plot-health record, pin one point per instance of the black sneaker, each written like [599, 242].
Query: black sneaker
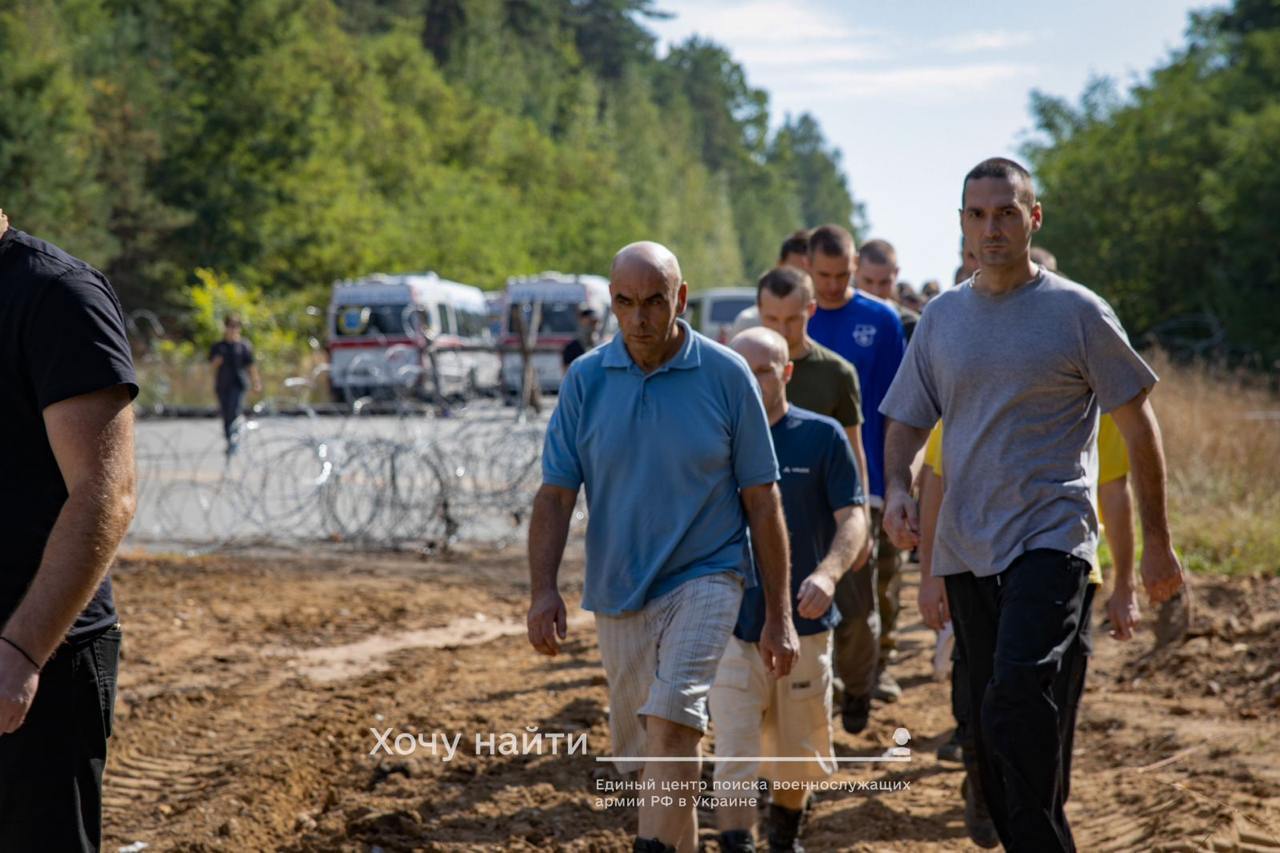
[737, 841]
[952, 752]
[784, 829]
[977, 820]
[856, 713]
[651, 845]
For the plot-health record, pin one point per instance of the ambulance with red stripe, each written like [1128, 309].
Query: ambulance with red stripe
[560, 297]
[384, 330]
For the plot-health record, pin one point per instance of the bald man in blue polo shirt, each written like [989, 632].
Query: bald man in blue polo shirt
[667, 432]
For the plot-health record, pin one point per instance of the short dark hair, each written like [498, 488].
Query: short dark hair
[232, 320]
[878, 252]
[797, 243]
[1044, 258]
[784, 281]
[1001, 167]
[831, 240]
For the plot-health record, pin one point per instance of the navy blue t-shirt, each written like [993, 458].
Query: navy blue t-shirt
[818, 477]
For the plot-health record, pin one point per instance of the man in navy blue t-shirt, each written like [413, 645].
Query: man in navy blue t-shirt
[756, 714]
[868, 334]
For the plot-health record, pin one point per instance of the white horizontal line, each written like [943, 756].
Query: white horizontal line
[685, 759]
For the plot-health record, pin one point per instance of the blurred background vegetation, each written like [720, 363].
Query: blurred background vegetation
[283, 144]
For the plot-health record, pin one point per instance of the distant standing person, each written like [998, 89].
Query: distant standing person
[234, 368]
[666, 430]
[584, 340]
[1019, 362]
[868, 334]
[67, 495]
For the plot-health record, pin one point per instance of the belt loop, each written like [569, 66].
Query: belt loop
[998, 579]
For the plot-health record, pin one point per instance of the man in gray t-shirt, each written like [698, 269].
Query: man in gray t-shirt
[1019, 362]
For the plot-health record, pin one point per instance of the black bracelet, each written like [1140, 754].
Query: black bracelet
[22, 652]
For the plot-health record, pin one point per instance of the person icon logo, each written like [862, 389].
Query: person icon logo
[901, 737]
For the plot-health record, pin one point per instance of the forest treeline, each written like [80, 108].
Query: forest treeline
[1167, 197]
[283, 144]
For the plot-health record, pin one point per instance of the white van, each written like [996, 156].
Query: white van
[561, 297]
[713, 311]
[381, 328]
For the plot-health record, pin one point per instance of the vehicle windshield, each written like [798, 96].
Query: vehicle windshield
[726, 309]
[558, 318]
[351, 321]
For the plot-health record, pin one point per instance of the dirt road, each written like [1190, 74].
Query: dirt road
[250, 686]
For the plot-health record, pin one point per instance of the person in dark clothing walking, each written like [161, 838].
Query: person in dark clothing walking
[234, 367]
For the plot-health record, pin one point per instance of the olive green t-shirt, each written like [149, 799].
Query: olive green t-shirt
[825, 383]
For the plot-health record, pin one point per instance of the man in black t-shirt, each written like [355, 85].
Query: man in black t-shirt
[586, 338]
[66, 498]
[233, 368]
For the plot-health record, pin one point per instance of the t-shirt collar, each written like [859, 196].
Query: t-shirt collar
[689, 356]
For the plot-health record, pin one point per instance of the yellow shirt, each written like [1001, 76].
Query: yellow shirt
[1113, 461]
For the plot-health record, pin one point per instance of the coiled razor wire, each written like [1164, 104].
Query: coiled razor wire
[384, 482]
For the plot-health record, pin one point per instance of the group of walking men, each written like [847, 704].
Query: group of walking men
[749, 504]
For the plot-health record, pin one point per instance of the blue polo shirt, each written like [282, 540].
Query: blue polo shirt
[868, 333]
[819, 476]
[662, 456]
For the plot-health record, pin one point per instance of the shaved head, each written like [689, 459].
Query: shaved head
[769, 360]
[762, 342]
[647, 258]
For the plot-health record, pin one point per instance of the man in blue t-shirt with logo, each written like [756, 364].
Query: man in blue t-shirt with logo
[868, 334]
[756, 714]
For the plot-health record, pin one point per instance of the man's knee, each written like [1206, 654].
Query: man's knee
[671, 738]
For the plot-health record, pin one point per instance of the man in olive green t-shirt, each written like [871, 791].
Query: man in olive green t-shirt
[825, 383]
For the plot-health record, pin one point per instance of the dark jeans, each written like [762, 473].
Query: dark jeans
[1023, 635]
[51, 767]
[230, 404]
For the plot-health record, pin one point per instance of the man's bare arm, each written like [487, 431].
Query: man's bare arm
[548, 532]
[901, 517]
[92, 440]
[851, 540]
[1116, 511]
[1161, 571]
[932, 595]
[778, 643]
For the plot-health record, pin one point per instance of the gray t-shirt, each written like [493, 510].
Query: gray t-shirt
[1019, 380]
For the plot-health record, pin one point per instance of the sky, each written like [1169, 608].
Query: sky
[915, 92]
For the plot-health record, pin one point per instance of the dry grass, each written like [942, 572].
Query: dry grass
[1222, 440]
[178, 382]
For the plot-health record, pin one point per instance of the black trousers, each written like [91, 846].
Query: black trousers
[230, 404]
[1023, 635]
[51, 767]
[1070, 689]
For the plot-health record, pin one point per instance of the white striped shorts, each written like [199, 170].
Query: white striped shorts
[661, 660]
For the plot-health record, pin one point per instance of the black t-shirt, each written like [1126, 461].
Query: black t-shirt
[62, 334]
[236, 358]
[571, 351]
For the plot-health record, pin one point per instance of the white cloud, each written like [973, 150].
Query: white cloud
[978, 41]
[922, 82]
[809, 54]
[781, 25]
